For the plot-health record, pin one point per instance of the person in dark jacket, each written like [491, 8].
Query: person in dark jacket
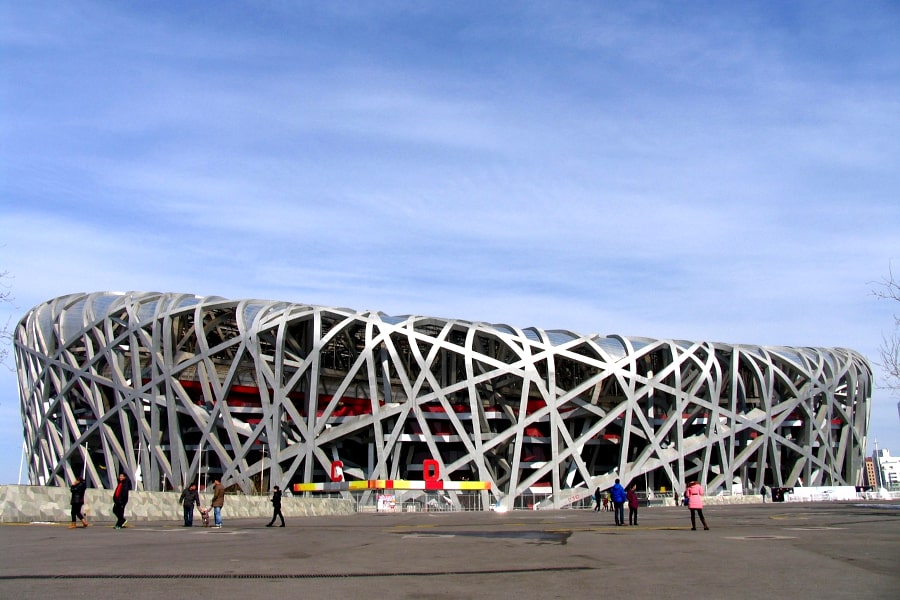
[78, 488]
[218, 501]
[598, 499]
[189, 499]
[632, 504]
[618, 497]
[120, 499]
[276, 507]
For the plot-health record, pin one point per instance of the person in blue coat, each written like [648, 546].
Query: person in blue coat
[618, 497]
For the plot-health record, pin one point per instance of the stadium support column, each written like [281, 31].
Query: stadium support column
[274, 438]
[312, 398]
[385, 375]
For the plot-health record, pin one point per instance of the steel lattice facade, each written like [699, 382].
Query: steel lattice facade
[164, 386]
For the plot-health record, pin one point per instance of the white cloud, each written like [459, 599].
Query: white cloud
[723, 175]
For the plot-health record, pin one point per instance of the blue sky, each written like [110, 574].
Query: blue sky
[702, 171]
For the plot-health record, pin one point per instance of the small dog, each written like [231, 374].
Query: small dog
[204, 514]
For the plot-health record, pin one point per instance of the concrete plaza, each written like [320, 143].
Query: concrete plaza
[790, 550]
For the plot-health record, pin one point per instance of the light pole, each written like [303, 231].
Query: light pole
[200, 470]
[262, 471]
[22, 461]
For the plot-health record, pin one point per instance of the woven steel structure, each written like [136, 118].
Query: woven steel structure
[258, 393]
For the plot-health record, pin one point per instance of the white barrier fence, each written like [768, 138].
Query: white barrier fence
[476, 501]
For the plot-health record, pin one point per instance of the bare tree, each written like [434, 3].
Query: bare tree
[889, 289]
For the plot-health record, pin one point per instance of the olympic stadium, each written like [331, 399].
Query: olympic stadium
[168, 387]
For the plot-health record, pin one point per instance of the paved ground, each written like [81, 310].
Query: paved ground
[823, 550]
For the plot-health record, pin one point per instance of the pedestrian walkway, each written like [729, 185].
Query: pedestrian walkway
[831, 550]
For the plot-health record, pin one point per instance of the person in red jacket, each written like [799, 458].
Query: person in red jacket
[694, 495]
[120, 499]
[632, 504]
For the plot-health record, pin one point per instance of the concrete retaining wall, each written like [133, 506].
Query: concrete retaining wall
[711, 500]
[733, 499]
[29, 503]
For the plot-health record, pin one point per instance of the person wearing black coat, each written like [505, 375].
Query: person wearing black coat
[78, 488]
[190, 497]
[120, 499]
[276, 507]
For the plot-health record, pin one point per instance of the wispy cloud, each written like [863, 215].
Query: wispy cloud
[725, 173]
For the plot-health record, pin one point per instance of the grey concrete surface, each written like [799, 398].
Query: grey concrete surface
[820, 550]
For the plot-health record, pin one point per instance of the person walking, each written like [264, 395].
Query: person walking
[78, 488]
[218, 501]
[617, 492]
[694, 495]
[598, 498]
[763, 492]
[189, 498]
[632, 504]
[276, 507]
[120, 499]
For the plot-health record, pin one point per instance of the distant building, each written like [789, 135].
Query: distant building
[871, 474]
[888, 469]
[170, 388]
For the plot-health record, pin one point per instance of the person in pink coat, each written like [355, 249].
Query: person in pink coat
[694, 495]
